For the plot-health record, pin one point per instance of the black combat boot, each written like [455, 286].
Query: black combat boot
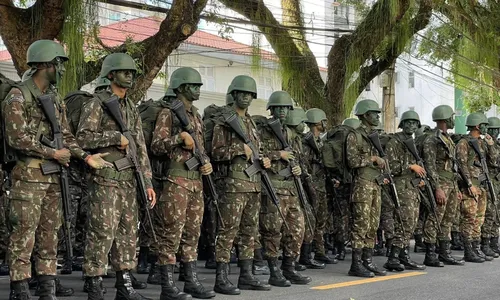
[276, 278]
[477, 248]
[357, 268]
[393, 263]
[404, 258]
[259, 264]
[456, 241]
[46, 289]
[192, 286]
[247, 281]
[340, 246]
[19, 290]
[222, 283]
[89, 285]
[367, 259]
[306, 260]
[324, 258]
[289, 272]
[379, 246]
[210, 262]
[388, 247]
[124, 288]
[67, 266]
[431, 259]
[445, 254]
[137, 284]
[469, 254]
[154, 270]
[493, 244]
[182, 277]
[142, 261]
[169, 291]
[61, 291]
[485, 247]
[419, 244]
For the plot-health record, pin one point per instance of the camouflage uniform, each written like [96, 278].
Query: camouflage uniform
[341, 213]
[490, 228]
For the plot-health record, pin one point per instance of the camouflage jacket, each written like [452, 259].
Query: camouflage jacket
[359, 153]
[436, 155]
[25, 123]
[313, 161]
[494, 165]
[400, 159]
[167, 141]
[470, 161]
[228, 149]
[98, 132]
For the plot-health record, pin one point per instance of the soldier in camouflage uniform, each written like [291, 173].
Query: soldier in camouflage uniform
[180, 207]
[280, 103]
[405, 170]
[474, 197]
[363, 158]
[113, 216]
[438, 151]
[35, 212]
[240, 201]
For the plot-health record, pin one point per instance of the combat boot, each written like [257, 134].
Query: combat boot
[142, 261]
[393, 263]
[431, 259]
[445, 254]
[61, 291]
[19, 290]
[154, 270]
[357, 268]
[324, 258]
[137, 284]
[124, 288]
[192, 286]
[494, 244]
[419, 244]
[46, 289]
[367, 259]
[456, 241]
[276, 278]
[289, 272]
[222, 283]
[67, 267]
[477, 248]
[169, 291]
[88, 285]
[210, 262]
[340, 246]
[485, 247]
[404, 258]
[306, 260]
[259, 266]
[469, 253]
[182, 277]
[247, 281]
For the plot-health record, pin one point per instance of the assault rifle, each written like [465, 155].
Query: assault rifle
[113, 108]
[199, 158]
[256, 167]
[308, 183]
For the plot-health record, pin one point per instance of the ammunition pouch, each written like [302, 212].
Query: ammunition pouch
[368, 173]
[177, 169]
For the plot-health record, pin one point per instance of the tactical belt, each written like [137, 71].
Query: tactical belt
[447, 175]
[242, 176]
[368, 173]
[282, 184]
[178, 169]
[237, 170]
[111, 173]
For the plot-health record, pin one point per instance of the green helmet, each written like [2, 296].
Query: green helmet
[423, 129]
[295, 117]
[365, 106]
[102, 83]
[494, 122]
[315, 115]
[279, 98]
[409, 115]
[352, 122]
[44, 51]
[229, 97]
[170, 92]
[442, 112]
[117, 61]
[184, 75]
[476, 119]
[243, 83]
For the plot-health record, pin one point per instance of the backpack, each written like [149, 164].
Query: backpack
[212, 115]
[334, 152]
[148, 112]
[74, 102]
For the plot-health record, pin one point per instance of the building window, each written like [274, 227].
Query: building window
[411, 79]
[264, 87]
[208, 78]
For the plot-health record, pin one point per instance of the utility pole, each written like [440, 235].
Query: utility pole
[389, 100]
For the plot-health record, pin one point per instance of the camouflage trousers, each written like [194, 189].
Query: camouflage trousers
[4, 231]
[240, 213]
[272, 224]
[422, 215]
[322, 215]
[457, 220]
[472, 215]
[387, 211]
[341, 213]
[309, 224]
[490, 226]
[366, 205]
[35, 215]
[446, 215]
[112, 225]
[178, 215]
[409, 200]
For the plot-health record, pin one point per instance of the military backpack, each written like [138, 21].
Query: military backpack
[334, 152]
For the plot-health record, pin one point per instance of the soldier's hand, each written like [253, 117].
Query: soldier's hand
[248, 151]
[286, 155]
[123, 143]
[379, 161]
[297, 171]
[95, 161]
[489, 140]
[418, 170]
[188, 140]
[266, 162]
[421, 184]
[336, 183]
[476, 192]
[386, 181]
[206, 169]
[62, 156]
[440, 197]
[151, 197]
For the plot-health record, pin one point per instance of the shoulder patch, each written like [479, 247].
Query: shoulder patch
[15, 95]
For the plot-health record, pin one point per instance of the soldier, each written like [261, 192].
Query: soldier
[113, 216]
[363, 158]
[438, 152]
[35, 212]
[474, 196]
[280, 103]
[405, 169]
[240, 202]
[180, 207]
[491, 227]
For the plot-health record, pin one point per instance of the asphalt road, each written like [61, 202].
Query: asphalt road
[469, 282]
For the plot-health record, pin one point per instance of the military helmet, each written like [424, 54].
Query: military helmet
[102, 82]
[494, 122]
[279, 98]
[243, 83]
[117, 61]
[315, 115]
[423, 129]
[409, 115]
[44, 51]
[185, 75]
[170, 92]
[352, 122]
[442, 112]
[364, 106]
[476, 119]
[295, 117]
[229, 97]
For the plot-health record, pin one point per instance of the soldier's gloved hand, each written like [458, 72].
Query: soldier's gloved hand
[286, 155]
[248, 151]
[440, 197]
[151, 197]
[62, 156]
[95, 161]
[379, 161]
[418, 170]
[266, 162]
[489, 140]
[206, 169]
[123, 143]
[188, 140]
[297, 171]
[476, 192]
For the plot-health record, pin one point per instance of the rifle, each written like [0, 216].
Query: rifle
[410, 145]
[53, 167]
[199, 158]
[233, 122]
[485, 178]
[276, 127]
[113, 107]
[375, 140]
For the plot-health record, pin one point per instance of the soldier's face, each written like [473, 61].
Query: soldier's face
[124, 78]
[410, 126]
[494, 132]
[55, 71]
[191, 91]
[243, 99]
[450, 123]
[373, 118]
[280, 112]
[483, 128]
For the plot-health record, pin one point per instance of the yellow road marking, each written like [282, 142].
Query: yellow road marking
[367, 280]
